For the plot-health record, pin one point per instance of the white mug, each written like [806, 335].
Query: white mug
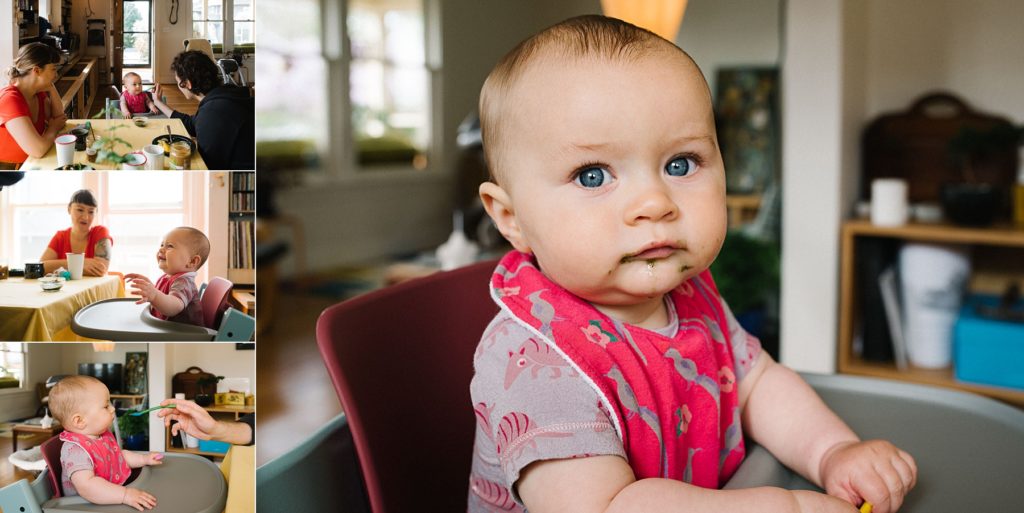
[154, 156]
[65, 149]
[889, 202]
[76, 264]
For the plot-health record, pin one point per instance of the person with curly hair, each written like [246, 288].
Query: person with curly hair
[225, 123]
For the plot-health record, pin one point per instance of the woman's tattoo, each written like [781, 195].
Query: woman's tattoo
[103, 250]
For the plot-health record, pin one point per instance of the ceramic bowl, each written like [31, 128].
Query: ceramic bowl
[51, 283]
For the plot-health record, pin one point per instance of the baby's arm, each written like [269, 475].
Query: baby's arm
[124, 109]
[164, 303]
[782, 413]
[151, 105]
[97, 490]
[138, 459]
[607, 484]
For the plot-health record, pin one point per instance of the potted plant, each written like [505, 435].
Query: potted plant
[106, 144]
[980, 154]
[205, 395]
[134, 434]
[746, 273]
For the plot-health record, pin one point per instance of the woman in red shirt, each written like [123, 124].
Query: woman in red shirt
[82, 237]
[29, 127]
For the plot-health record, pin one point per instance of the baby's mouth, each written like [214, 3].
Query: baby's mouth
[655, 251]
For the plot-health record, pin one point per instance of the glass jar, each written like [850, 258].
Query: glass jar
[180, 156]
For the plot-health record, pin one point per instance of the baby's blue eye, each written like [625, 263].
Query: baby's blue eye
[593, 177]
[679, 166]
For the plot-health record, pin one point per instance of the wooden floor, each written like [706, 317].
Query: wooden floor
[8, 472]
[175, 99]
[294, 392]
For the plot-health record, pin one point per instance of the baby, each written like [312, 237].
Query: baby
[175, 296]
[642, 388]
[93, 465]
[133, 99]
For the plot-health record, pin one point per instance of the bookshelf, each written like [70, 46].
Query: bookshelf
[997, 251]
[27, 14]
[241, 230]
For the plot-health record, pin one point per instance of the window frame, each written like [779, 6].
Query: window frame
[337, 53]
[228, 26]
[23, 384]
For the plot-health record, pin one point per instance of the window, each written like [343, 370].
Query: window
[137, 208]
[380, 63]
[137, 27]
[228, 24]
[208, 21]
[12, 365]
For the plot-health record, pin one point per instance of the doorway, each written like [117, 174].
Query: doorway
[138, 38]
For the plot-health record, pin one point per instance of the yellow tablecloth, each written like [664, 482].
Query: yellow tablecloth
[239, 468]
[136, 137]
[29, 314]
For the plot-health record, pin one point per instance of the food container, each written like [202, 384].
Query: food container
[180, 157]
[51, 283]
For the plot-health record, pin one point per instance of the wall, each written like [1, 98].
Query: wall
[8, 40]
[219, 359]
[169, 37]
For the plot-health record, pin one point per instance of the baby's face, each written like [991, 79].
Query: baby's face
[95, 408]
[175, 254]
[615, 175]
[133, 85]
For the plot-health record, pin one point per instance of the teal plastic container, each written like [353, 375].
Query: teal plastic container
[988, 351]
[213, 446]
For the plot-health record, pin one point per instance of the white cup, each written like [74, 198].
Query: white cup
[65, 149]
[76, 263]
[190, 441]
[180, 395]
[154, 156]
[889, 202]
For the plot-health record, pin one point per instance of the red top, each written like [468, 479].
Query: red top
[61, 241]
[12, 106]
[136, 102]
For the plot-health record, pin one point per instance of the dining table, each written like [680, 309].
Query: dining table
[134, 137]
[28, 313]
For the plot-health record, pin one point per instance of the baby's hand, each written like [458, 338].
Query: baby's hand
[126, 114]
[142, 287]
[875, 471]
[138, 499]
[154, 458]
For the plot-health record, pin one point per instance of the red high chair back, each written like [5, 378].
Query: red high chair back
[51, 453]
[401, 360]
[215, 301]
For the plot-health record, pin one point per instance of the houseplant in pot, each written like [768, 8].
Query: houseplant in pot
[980, 154]
[133, 431]
[207, 387]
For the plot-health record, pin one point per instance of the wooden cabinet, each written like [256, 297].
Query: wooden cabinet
[241, 229]
[223, 413]
[996, 252]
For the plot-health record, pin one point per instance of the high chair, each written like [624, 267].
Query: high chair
[402, 346]
[203, 481]
[122, 319]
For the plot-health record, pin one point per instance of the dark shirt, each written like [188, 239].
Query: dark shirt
[225, 127]
[250, 419]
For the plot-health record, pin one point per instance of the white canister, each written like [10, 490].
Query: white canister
[154, 157]
[889, 202]
[933, 279]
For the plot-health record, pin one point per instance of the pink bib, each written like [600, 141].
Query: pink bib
[107, 460]
[163, 284]
[674, 401]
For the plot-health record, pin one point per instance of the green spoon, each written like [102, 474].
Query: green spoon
[143, 412]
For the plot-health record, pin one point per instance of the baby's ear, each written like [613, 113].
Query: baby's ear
[498, 204]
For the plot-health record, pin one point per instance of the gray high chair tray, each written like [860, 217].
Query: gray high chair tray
[184, 483]
[122, 319]
[969, 449]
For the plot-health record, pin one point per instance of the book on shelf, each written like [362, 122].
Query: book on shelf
[887, 283]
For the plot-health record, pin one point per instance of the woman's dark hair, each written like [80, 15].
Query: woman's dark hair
[83, 197]
[30, 56]
[197, 68]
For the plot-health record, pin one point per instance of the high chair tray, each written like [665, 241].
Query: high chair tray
[184, 483]
[969, 449]
[122, 319]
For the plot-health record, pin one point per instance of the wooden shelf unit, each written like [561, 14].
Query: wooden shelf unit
[232, 413]
[241, 213]
[849, 314]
